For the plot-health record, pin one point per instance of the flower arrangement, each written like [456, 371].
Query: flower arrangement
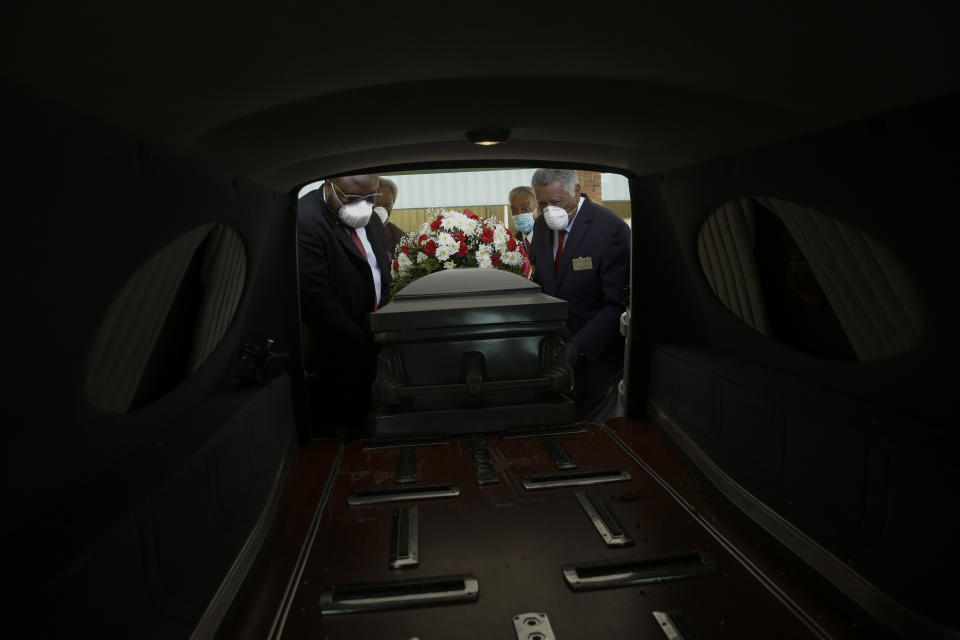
[455, 239]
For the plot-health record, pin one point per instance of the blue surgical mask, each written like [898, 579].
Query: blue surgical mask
[524, 222]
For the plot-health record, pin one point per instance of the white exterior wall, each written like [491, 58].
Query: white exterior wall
[464, 188]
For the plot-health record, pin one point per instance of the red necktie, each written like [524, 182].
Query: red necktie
[356, 241]
[556, 260]
[363, 252]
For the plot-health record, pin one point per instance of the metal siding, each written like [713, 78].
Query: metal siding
[615, 187]
[459, 189]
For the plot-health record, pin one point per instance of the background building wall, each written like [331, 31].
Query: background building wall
[591, 184]
[485, 191]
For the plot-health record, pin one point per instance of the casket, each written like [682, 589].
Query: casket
[470, 350]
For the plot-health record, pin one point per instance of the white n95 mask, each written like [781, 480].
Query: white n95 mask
[356, 214]
[381, 213]
[557, 217]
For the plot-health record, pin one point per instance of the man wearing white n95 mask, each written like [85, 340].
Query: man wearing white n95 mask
[344, 275]
[384, 209]
[581, 254]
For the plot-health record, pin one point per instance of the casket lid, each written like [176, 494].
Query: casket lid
[470, 281]
[467, 296]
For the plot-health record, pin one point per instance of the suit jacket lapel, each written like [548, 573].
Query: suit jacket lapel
[542, 247]
[581, 227]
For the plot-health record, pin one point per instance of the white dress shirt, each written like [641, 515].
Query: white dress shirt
[371, 260]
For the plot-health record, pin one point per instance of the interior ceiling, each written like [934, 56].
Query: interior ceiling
[290, 93]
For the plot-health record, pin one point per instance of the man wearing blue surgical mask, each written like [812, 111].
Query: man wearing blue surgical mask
[581, 254]
[523, 209]
[344, 275]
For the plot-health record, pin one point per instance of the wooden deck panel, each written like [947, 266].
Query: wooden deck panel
[516, 541]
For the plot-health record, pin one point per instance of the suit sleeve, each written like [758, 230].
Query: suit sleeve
[539, 232]
[320, 308]
[603, 330]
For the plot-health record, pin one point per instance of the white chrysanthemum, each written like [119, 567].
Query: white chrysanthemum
[403, 262]
[422, 257]
[450, 265]
[458, 221]
[512, 258]
[483, 261]
[448, 241]
[443, 252]
[454, 221]
[424, 229]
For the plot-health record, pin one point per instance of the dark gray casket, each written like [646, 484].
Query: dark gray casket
[470, 350]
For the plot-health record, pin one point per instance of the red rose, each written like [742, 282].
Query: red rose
[396, 265]
[422, 239]
[436, 223]
[430, 248]
[512, 244]
[459, 237]
[486, 235]
[463, 248]
[405, 249]
[495, 259]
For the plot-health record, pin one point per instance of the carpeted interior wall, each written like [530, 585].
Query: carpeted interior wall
[858, 455]
[124, 506]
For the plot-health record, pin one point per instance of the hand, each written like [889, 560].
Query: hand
[573, 354]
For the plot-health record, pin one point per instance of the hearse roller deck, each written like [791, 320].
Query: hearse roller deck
[578, 531]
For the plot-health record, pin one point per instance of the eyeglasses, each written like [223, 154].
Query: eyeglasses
[351, 199]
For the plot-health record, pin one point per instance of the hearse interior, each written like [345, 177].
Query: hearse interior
[785, 464]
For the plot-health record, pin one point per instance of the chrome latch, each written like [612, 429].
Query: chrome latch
[533, 626]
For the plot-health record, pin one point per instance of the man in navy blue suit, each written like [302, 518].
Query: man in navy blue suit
[581, 254]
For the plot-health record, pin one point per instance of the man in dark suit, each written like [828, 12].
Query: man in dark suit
[344, 275]
[581, 254]
[523, 209]
[384, 209]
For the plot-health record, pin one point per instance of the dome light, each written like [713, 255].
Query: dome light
[488, 137]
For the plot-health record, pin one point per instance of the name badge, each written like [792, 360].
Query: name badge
[582, 264]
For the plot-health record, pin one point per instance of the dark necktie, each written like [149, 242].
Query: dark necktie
[357, 241]
[556, 260]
